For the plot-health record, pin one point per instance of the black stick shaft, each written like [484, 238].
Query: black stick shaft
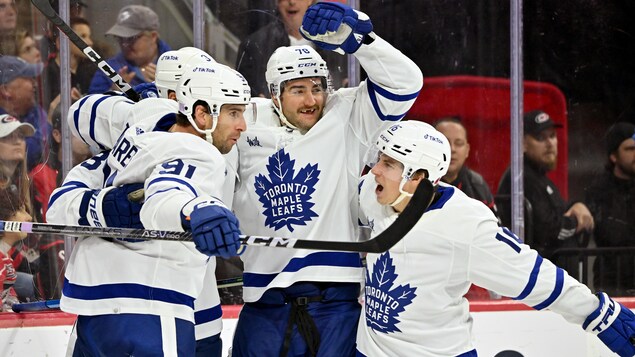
[45, 8]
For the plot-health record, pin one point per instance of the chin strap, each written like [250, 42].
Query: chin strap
[208, 132]
[403, 194]
[283, 119]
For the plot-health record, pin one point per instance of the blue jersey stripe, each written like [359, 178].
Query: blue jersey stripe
[174, 179]
[446, 194]
[350, 260]
[510, 242]
[374, 89]
[208, 315]
[533, 278]
[160, 191]
[76, 117]
[126, 290]
[69, 186]
[557, 290]
[93, 117]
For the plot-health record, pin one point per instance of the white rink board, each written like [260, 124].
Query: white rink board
[531, 333]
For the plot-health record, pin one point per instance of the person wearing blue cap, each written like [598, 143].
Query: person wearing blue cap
[17, 98]
[137, 31]
[610, 198]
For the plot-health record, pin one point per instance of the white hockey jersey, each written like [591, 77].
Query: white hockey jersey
[414, 304]
[153, 277]
[305, 186]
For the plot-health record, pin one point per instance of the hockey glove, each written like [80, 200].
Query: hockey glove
[335, 27]
[147, 90]
[214, 228]
[614, 324]
[111, 207]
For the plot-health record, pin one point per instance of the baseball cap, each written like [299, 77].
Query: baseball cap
[12, 67]
[536, 121]
[132, 20]
[9, 124]
[616, 134]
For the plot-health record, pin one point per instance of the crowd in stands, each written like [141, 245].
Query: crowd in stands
[31, 267]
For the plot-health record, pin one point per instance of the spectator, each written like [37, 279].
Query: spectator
[137, 31]
[11, 209]
[76, 7]
[13, 178]
[553, 221]
[13, 174]
[27, 48]
[610, 198]
[17, 98]
[8, 24]
[255, 50]
[47, 176]
[47, 42]
[459, 175]
[82, 70]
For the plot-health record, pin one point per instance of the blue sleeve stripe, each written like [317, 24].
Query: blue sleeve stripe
[125, 290]
[93, 117]
[76, 117]
[557, 290]
[533, 277]
[160, 191]
[373, 89]
[69, 186]
[389, 95]
[508, 241]
[350, 260]
[173, 179]
[208, 315]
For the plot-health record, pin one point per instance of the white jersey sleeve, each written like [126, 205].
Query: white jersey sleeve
[414, 302]
[99, 119]
[305, 186]
[66, 201]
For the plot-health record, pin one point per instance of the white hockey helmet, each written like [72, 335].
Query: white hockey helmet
[172, 64]
[417, 145]
[294, 62]
[216, 85]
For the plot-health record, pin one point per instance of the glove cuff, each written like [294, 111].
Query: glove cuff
[603, 316]
[91, 208]
[187, 209]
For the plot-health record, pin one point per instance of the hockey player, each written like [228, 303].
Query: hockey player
[183, 175]
[414, 303]
[298, 175]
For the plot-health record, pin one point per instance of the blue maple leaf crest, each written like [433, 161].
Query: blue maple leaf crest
[383, 303]
[285, 197]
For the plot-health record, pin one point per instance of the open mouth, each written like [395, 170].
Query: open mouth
[379, 188]
[308, 111]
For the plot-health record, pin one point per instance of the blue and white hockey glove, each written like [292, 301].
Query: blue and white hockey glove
[111, 207]
[336, 27]
[147, 90]
[214, 228]
[614, 324]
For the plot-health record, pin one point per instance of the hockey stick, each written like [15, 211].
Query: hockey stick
[47, 10]
[55, 304]
[419, 202]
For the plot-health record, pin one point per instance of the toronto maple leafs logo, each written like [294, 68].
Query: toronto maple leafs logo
[285, 197]
[254, 141]
[383, 302]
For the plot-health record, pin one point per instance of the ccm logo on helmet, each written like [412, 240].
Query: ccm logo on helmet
[312, 64]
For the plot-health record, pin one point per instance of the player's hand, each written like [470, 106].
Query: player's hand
[335, 27]
[614, 324]
[147, 90]
[215, 229]
[112, 207]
